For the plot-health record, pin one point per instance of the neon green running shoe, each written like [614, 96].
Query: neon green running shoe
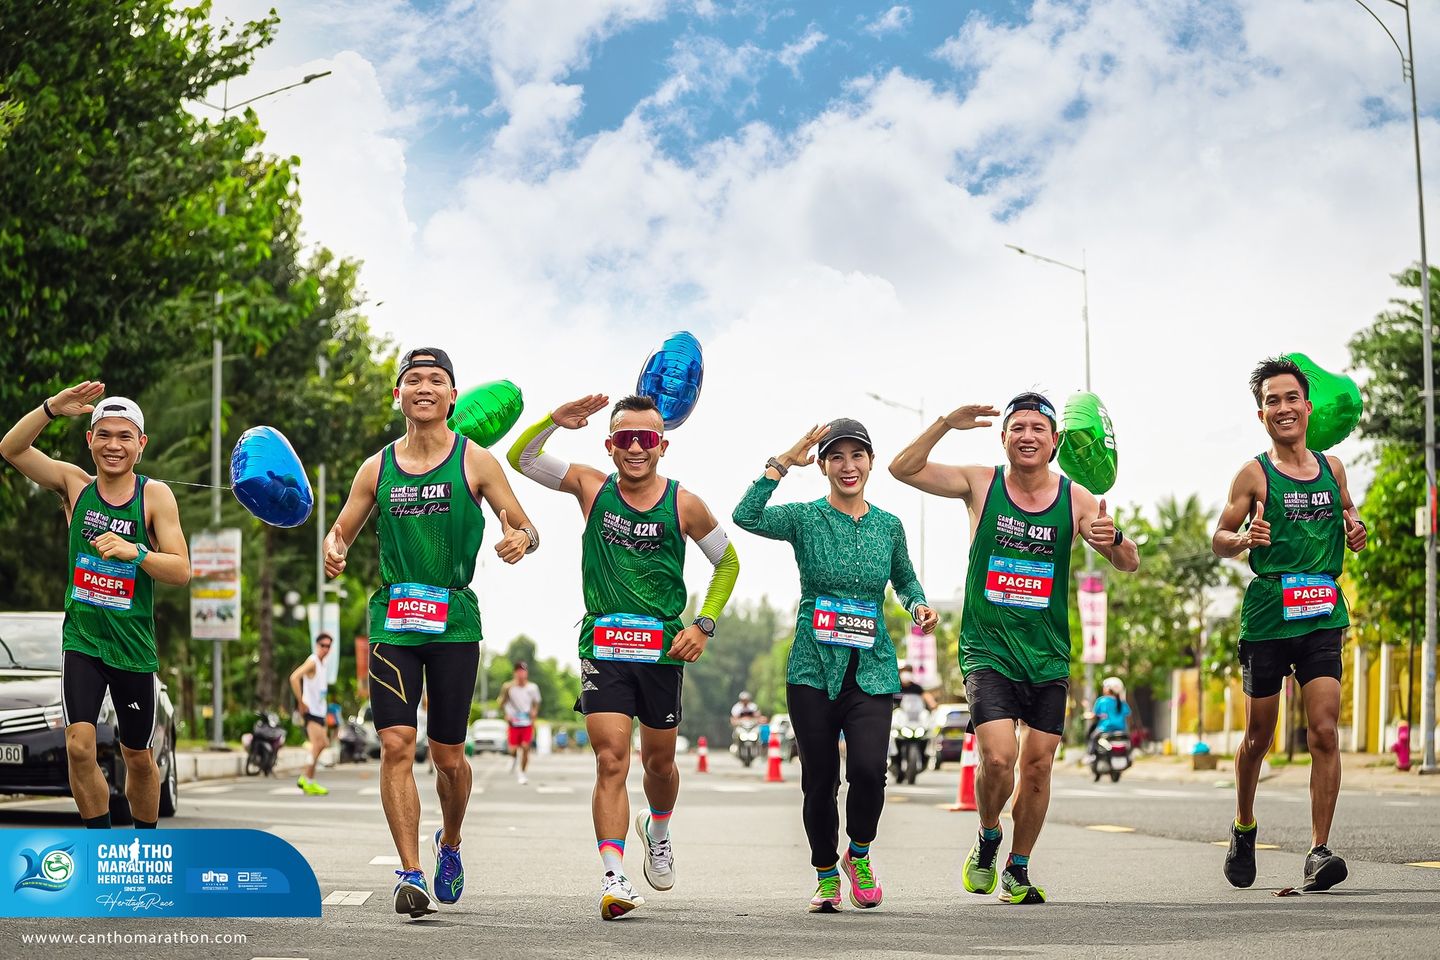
[827, 895]
[1015, 886]
[311, 787]
[980, 875]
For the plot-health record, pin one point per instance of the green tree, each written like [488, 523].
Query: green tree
[743, 635]
[1389, 351]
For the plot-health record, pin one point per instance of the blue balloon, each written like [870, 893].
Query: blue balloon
[268, 479]
[672, 377]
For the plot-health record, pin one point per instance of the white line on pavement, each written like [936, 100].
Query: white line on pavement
[347, 898]
[734, 788]
[383, 861]
[554, 789]
[1402, 803]
[1148, 792]
[209, 790]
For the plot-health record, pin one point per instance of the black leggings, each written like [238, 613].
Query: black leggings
[818, 721]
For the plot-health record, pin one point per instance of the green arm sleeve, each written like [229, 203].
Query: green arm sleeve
[531, 434]
[722, 583]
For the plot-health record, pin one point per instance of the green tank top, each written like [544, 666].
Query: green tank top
[430, 528]
[632, 567]
[1016, 618]
[109, 607]
[1294, 590]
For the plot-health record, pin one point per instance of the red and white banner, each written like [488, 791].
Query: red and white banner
[1093, 611]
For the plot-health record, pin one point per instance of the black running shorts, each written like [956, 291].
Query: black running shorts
[994, 696]
[136, 696]
[649, 692]
[1266, 663]
[448, 671]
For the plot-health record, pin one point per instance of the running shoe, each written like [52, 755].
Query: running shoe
[617, 897]
[311, 788]
[411, 897]
[659, 855]
[522, 779]
[827, 896]
[979, 874]
[864, 888]
[1240, 860]
[1323, 870]
[449, 871]
[1015, 886]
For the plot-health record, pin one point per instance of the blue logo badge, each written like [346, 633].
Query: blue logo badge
[51, 869]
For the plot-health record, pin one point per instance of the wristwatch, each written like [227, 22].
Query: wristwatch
[706, 625]
[140, 553]
[534, 539]
[779, 467]
[1119, 537]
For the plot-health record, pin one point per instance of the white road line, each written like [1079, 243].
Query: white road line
[1076, 793]
[554, 789]
[1402, 803]
[285, 792]
[347, 898]
[191, 791]
[1147, 792]
[734, 788]
[316, 802]
[383, 861]
[369, 792]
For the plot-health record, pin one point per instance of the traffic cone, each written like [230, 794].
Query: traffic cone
[773, 774]
[965, 796]
[704, 764]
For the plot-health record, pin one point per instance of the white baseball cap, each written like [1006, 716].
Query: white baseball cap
[122, 407]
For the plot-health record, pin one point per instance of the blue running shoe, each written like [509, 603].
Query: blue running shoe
[411, 897]
[449, 871]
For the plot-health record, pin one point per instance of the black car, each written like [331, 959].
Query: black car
[32, 730]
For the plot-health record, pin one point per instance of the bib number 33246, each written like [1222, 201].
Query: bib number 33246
[846, 623]
[417, 608]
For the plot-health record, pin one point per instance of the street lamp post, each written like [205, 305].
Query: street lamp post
[1427, 704]
[920, 412]
[217, 358]
[1085, 319]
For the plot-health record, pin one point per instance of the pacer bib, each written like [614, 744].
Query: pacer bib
[103, 583]
[625, 636]
[1010, 582]
[846, 623]
[417, 608]
[1308, 595]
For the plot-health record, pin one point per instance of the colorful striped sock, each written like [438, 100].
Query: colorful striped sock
[612, 854]
[659, 828]
[830, 871]
[859, 851]
[991, 833]
[1021, 860]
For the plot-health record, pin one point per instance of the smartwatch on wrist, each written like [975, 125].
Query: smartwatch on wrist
[534, 539]
[706, 625]
[777, 466]
[46, 407]
[141, 552]
[1119, 537]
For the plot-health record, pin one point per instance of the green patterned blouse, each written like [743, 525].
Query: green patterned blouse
[840, 559]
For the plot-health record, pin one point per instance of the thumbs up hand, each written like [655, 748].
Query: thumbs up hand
[1101, 532]
[513, 543]
[1259, 533]
[1355, 534]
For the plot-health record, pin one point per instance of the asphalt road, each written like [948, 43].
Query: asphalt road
[1149, 885]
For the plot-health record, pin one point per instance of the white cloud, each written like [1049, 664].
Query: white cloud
[792, 53]
[1229, 185]
[894, 20]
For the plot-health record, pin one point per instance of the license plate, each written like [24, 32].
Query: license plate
[12, 753]
[1119, 763]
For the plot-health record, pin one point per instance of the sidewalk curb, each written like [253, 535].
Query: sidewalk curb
[215, 765]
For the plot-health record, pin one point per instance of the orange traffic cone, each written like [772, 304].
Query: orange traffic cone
[965, 796]
[704, 764]
[773, 774]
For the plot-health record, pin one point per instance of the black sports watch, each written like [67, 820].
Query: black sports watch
[706, 625]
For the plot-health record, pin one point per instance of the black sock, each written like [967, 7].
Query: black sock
[145, 824]
[101, 822]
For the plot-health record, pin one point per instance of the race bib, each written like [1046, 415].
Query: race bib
[521, 719]
[625, 636]
[103, 583]
[846, 623]
[417, 608]
[1308, 595]
[1019, 583]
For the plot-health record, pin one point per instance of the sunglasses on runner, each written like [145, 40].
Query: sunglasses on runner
[648, 439]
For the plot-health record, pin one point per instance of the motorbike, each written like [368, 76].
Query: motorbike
[352, 742]
[263, 744]
[745, 741]
[1109, 754]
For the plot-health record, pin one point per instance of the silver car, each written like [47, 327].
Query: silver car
[490, 735]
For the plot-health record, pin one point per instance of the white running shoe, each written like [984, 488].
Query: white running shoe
[617, 897]
[522, 779]
[659, 855]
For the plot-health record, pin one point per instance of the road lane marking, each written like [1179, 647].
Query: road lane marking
[208, 790]
[1147, 792]
[1402, 803]
[1432, 864]
[1258, 846]
[733, 788]
[554, 789]
[369, 792]
[285, 792]
[1075, 792]
[1110, 828]
[347, 898]
[384, 861]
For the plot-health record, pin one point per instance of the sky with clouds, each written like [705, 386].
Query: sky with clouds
[822, 194]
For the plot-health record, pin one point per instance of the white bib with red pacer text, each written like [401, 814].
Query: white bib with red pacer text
[417, 608]
[1019, 583]
[103, 583]
[628, 637]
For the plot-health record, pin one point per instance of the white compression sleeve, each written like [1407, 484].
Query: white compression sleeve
[532, 461]
[713, 544]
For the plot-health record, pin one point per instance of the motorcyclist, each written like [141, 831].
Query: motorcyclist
[745, 710]
[1112, 713]
[912, 699]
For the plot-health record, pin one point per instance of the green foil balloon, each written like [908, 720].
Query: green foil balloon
[487, 412]
[1337, 404]
[1087, 443]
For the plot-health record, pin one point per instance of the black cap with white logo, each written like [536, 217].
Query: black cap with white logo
[426, 357]
[846, 429]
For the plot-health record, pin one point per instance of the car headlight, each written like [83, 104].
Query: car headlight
[55, 717]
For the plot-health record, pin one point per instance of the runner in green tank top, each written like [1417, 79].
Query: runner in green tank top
[1294, 614]
[633, 643]
[1014, 630]
[124, 535]
[424, 620]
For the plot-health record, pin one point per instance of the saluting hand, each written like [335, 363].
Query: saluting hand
[577, 413]
[799, 454]
[73, 401]
[968, 416]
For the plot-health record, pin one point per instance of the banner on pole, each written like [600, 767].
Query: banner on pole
[920, 654]
[215, 584]
[1093, 613]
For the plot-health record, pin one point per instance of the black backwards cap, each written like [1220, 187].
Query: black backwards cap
[418, 358]
[1040, 404]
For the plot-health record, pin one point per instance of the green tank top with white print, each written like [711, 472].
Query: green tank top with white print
[430, 529]
[109, 606]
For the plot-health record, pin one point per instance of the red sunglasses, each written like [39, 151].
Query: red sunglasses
[648, 439]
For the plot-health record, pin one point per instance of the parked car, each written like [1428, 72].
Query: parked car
[366, 719]
[780, 723]
[951, 722]
[32, 729]
[490, 735]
